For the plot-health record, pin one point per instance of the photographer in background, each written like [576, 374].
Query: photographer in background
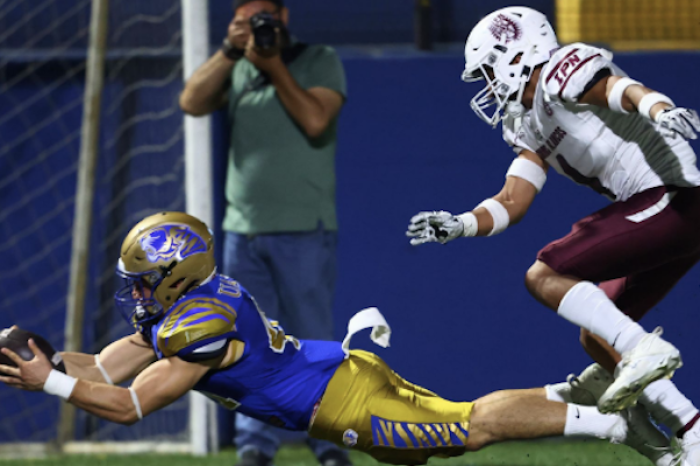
[283, 100]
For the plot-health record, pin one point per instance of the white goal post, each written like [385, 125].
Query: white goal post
[198, 187]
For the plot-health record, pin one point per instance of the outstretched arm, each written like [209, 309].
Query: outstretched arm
[122, 360]
[626, 95]
[159, 385]
[524, 180]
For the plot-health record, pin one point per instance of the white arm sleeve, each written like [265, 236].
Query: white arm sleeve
[528, 171]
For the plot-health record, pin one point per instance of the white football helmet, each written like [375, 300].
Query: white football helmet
[492, 49]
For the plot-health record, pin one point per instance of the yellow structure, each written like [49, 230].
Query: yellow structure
[630, 24]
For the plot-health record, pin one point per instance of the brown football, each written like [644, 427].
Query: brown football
[17, 340]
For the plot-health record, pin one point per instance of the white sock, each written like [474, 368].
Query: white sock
[559, 392]
[587, 306]
[668, 405]
[588, 421]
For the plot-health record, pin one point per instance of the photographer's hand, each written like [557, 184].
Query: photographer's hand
[238, 33]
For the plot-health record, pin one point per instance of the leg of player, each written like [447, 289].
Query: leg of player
[646, 356]
[644, 435]
[527, 414]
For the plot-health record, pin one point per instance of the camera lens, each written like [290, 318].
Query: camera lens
[264, 27]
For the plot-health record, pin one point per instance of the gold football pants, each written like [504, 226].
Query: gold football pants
[369, 407]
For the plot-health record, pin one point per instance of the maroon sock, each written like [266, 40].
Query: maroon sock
[688, 426]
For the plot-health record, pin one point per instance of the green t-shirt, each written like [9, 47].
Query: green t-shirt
[278, 179]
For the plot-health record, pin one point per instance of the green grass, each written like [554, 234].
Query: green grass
[548, 453]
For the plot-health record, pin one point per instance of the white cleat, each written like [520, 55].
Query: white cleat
[584, 389]
[641, 433]
[589, 386]
[652, 359]
[690, 447]
[645, 437]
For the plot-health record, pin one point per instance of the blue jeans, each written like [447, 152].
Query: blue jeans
[292, 277]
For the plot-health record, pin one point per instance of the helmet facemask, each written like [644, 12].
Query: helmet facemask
[136, 299]
[502, 89]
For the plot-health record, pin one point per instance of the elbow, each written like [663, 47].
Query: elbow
[190, 107]
[127, 418]
[315, 128]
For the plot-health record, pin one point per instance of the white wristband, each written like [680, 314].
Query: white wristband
[471, 224]
[60, 384]
[649, 100]
[104, 373]
[528, 171]
[137, 404]
[617, 92]
[500, 216]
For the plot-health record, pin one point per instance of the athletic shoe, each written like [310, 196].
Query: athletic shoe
[645, 437]
[652, 359]
[590, 385]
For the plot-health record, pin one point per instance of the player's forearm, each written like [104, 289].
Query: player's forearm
[82, 366]
[632, 96]
[635, 94]
[205, 91]
[305, 108]
[109, 402]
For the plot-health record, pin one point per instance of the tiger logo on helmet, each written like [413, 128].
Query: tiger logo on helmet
[162, 257]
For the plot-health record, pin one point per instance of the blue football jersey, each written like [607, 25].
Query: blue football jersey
[278, 379]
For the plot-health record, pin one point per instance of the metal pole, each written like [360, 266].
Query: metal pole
[198, 176]
[82, 222]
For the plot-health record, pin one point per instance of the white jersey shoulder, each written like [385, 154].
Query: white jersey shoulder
[571, 68]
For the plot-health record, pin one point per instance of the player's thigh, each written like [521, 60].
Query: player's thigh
[643, 233]
[370, 408]
[636, 294]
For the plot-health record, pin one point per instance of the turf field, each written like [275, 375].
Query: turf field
[549, 453]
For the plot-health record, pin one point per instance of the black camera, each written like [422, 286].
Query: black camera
[265, 26]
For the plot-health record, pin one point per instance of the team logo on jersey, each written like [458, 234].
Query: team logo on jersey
[350, 438]
[505, 29]
[171, 242]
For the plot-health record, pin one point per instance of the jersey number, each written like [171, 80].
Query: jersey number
[580, 178]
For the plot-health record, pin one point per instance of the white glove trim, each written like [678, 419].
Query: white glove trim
[617, 92]
[104, 373]
[528, 171]
[500, 216]
[60, 384]
[137, 404]
[649, 100]
[470, 222]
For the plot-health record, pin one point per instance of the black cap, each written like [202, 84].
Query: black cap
[239, 3]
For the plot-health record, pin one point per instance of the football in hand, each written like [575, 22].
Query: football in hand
[18, 341]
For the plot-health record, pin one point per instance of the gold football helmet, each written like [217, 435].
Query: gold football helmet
[163, 256]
